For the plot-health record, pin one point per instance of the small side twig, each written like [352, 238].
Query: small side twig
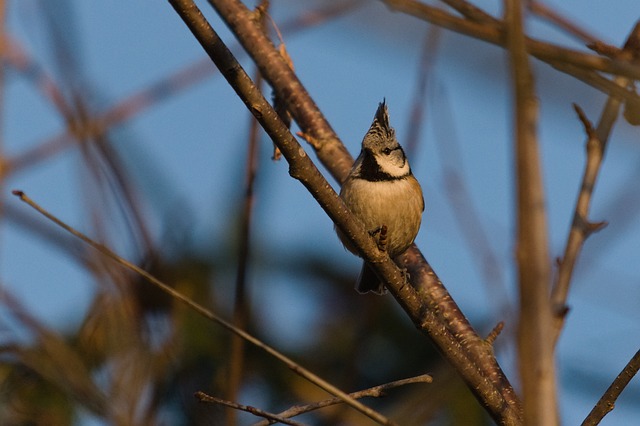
[493, 335]
[203, 397]
[608, 399]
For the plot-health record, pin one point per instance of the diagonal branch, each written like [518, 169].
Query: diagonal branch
[548, 14]
[300, 165]
[431, 308]
[607, 402]
[206, 313]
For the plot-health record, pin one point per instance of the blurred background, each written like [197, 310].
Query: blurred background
[114, 120]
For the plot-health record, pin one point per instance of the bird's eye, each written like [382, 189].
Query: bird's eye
[386, 151]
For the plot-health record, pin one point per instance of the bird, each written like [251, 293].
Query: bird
[381, 191]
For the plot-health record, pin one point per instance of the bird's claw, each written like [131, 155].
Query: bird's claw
[381, 239]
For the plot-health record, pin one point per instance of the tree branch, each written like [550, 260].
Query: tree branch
[535, 351]
[548, 14]
[374, 392]
[206, 313]
[607, 402]
[431, 308]
[580, 228]
[556, 56]
[203, 397]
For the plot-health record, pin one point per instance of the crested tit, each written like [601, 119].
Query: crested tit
[381, 192]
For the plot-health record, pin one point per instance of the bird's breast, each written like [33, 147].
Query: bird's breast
[397, 204]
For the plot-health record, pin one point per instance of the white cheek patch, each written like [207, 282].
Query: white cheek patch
[396, 166]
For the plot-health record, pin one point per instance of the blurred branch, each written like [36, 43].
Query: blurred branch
[463, 207]
[471, 12]
[431, 308]
[98, 125]
[241, 304]
[165, 88]
[203, 311]
[535, 350]
[556, 56]
[3, 43]
[54, 359]
[15, 54]
[607, 402]
[210, 315]
[425, 72]
[374, 392]
[581, 228]
[543, 11]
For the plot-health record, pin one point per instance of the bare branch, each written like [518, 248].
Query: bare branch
[535, 351]
[431, 308]
[374, 392]
[203, 397]
[607, 402]
[548, 14]
[580, 229]
[298, 369]
[556, 56]
[472, 12]
[162, 89]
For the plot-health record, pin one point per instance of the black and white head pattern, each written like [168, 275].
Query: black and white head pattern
[382, 157]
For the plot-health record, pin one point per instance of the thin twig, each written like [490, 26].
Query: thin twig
[297, 368]
[535, 351]
[203, 397]
[374, 392]
[596, 145]
[493, 335]
[606, 403]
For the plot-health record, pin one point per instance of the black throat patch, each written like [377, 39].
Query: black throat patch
[370, 169]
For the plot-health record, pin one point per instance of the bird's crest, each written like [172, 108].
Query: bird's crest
[380, 126]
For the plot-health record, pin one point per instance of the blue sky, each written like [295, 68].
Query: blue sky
[193, 143]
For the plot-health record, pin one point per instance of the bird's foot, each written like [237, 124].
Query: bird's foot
[381, 237]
